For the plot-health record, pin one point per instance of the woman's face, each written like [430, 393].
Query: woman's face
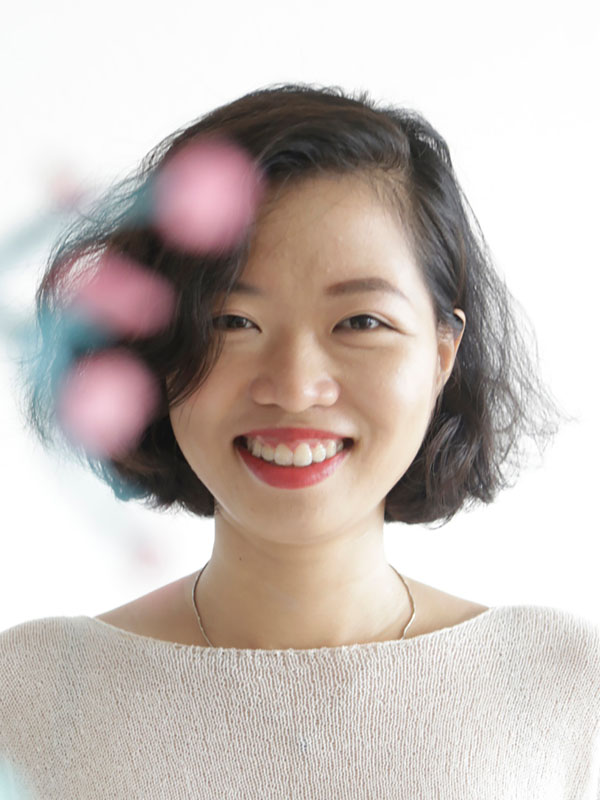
[302, 354]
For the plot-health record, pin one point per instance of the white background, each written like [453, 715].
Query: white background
[513, 89]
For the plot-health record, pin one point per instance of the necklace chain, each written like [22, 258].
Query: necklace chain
[406, 627]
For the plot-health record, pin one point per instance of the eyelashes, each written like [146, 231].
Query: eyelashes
[218, 322]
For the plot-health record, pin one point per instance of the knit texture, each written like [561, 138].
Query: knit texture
[504, 706]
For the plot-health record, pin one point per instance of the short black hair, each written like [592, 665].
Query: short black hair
[494, 399]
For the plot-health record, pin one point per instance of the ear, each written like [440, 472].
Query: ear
[448, 344]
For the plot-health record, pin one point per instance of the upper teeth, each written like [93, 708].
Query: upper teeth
[302, 456]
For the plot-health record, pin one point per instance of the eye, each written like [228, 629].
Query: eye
[218, 324]
[365, 317]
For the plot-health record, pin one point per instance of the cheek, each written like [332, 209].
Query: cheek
[407, 411]
[188, 427]
[412, 389]
[200, 409]
[197, 421]
[404, 380]
[398, 402]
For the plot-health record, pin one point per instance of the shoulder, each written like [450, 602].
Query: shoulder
[38, 658]
[48, 649]
[23, 638]
[165, 613]
[435, 609]
[40, 646]
[545, 634]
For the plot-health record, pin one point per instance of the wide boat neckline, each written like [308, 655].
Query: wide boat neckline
[410, 642]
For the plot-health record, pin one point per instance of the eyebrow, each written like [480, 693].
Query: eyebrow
[354, 286]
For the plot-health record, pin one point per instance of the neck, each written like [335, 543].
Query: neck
[241, 609]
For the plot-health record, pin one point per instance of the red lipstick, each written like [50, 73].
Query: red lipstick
[292, 477]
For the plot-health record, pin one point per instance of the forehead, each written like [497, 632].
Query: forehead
[328, 222]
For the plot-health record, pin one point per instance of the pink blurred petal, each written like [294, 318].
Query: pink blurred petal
[147, 555]
[106, 401]
[66, 191]
[126, 297]
[206, 196]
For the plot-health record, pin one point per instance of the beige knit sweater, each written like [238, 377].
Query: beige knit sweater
[503, 706]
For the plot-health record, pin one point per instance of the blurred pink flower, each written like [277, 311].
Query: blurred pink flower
[125, 297]
[106, 401]
[206, 196]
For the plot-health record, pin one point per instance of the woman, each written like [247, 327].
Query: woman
[353, 360]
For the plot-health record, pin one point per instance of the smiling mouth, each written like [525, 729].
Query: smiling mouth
[242, 442]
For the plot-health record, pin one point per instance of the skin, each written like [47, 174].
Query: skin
[306, 568]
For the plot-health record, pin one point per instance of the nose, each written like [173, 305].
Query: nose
[295, 374]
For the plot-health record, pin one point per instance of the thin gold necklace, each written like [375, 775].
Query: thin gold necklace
[406, 627]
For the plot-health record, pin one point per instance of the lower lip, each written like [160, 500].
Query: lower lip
[291, 477]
